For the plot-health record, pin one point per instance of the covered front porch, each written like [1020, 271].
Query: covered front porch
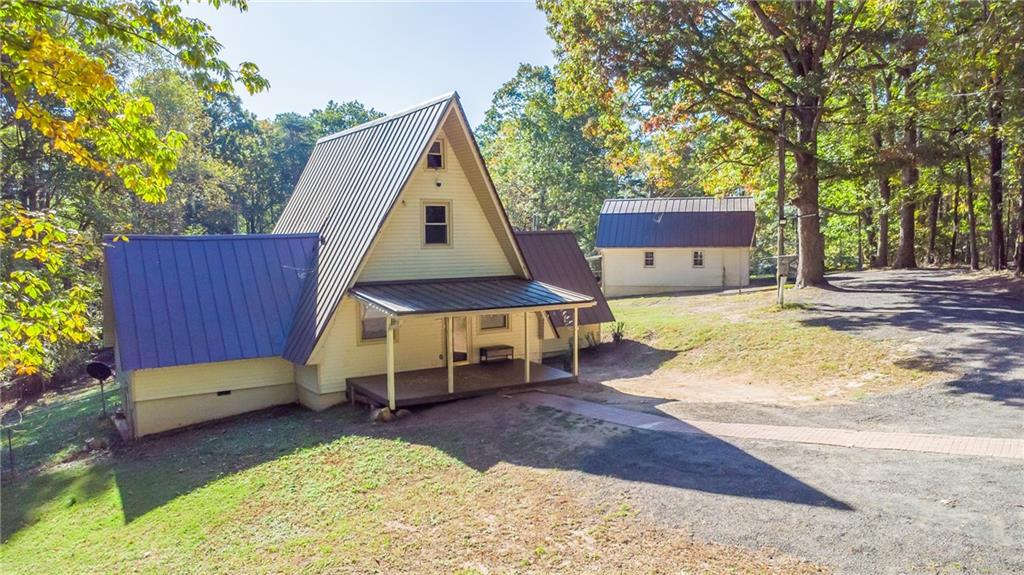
[426, 386]
[497, 361]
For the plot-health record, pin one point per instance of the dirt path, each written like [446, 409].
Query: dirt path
[918, 442]
[968, 325]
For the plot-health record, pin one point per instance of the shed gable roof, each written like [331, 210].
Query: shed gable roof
[181, 300]
[347, 190]
[676, 222]
[555, 258]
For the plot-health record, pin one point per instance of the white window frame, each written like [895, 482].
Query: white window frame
[697, 254]
[440, 154]
[447, 205]
[649, 265]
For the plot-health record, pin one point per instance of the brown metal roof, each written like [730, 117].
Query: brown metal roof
[554, 257]
[461, 295]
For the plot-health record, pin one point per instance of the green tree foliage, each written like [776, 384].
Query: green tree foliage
[65, 101]
[886, 104]
[548, 173]
[687, 66]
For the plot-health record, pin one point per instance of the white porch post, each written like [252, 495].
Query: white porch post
[449, 328]
[576, 341]
[526, 343]
[390, 345]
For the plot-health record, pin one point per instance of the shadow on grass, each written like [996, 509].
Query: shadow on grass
[940, 302]
[23, 500]
[480, 433]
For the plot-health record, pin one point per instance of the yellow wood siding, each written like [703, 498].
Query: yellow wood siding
[474, 250]
[561, 344]
[419, 345]
[182, 380]
[623, 271]
[154, 416]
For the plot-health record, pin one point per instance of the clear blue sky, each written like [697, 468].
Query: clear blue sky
[387, 55]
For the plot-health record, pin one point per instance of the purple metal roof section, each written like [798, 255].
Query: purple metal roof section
[181, 300]
[676, 222]
[554, 257]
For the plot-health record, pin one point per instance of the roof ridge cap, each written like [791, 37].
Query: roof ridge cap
[389, 117]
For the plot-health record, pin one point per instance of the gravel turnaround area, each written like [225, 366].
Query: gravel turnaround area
[968, 326]
[855, 511]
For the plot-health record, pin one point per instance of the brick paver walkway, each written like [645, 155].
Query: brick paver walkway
[951, 444]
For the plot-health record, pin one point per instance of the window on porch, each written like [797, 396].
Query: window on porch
[493, 321]
[373, 325]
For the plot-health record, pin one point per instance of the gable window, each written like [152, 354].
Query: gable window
[435, 156]
[648, 259]
[698, 259]
[373, 324]
[435, 224]
[493, 321]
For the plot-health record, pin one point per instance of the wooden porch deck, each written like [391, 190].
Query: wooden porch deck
[426, 386]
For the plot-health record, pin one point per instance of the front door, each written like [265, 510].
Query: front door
[460, 337]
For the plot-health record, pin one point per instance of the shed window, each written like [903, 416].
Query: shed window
[648, 259]
[698, 259]
[374, 324]
[435, 224]
[435, 156]
[493, 321]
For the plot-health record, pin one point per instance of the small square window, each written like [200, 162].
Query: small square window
[698, 259]
[493, 321]
[374, 324]
[435, 224]
[648, 259]
[435, 156]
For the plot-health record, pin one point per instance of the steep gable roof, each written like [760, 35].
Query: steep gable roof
[555, 258]
[676, 222]
[179, 300]
[347, 190]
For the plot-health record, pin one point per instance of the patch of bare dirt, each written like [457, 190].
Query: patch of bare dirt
[523, 520]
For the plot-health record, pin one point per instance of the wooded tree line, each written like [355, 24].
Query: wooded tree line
[900, 121]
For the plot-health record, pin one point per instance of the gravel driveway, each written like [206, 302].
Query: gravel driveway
[968, 325]
[856, 511]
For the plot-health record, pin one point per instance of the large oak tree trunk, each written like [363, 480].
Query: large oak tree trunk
[972, 221]
[811, 264]
[811, 261]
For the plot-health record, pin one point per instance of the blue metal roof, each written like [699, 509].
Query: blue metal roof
[676, 222]
[181, 300]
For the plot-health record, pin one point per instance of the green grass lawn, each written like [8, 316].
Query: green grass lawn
[746, 335]
[57, 425]
[296, 491]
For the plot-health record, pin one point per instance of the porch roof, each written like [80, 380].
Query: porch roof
[465, 295]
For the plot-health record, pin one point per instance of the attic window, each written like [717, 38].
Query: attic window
[435, 156]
